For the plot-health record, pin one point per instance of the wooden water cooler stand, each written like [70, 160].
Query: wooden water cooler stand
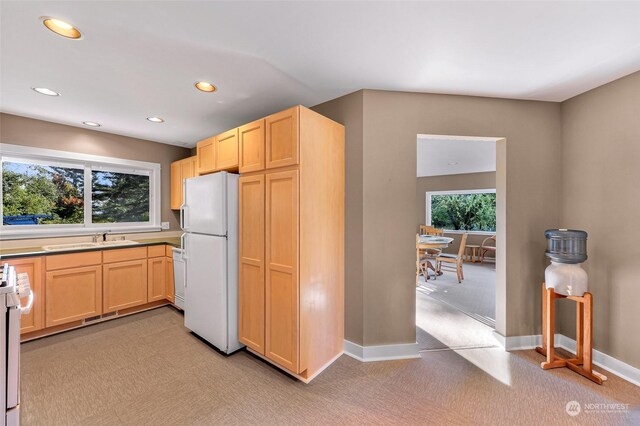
[583, 361]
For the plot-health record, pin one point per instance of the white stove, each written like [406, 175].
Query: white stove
[13, 286]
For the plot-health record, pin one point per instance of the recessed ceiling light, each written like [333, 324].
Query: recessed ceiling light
[155, 119]
[91, 123]
[45, 91]
[453, 163]
[62, 28]
[205, 87]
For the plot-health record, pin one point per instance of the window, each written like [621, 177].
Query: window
[50, 193]
[468, 211]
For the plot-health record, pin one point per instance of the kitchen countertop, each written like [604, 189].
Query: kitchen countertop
[13, 253]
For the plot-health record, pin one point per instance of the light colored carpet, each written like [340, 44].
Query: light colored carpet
[147, 369]
[441, 326]
[476, 295]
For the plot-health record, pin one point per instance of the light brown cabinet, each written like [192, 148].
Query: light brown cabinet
[72, 294]
[33, 267]
[251, 305]
[251, 147]
[227, 150]
[206, 156]
[291, 244]
[281, 255]
[181, 170]
[282, 138]
[157, 279]
[124, 284]
[71, 287]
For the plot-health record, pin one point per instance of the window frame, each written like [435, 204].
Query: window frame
[429, 194]
[87, 162]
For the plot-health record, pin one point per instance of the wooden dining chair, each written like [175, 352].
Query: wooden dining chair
[485, 248]
[422, 261]
[424, 229]
[434, 252]
[435, 232]
[453, 261]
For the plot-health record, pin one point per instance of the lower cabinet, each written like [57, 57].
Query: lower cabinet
[251, 289]
[169, 281]
[125, 284]
[73, 294]
[71, 287]
[33, 267]
[157, 278]
[281, 269]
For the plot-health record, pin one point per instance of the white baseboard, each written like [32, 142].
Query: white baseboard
[617, 367]
[381, 352]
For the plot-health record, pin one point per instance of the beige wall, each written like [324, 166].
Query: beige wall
[600, 186]
[43, 134]
[391, 121]
[347, 110]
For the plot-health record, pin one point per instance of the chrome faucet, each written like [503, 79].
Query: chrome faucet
[99, 235]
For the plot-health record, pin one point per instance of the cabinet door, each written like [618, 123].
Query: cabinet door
[125, 284]
[169, 281]
[188, 166]
[206, 156]
[33, 267]
[251, 262]
[176, 185]
[157, 278]
[72, 294]
[282, 137]
[193, 166]
[281, 243]
[251, 146]
[227, 150]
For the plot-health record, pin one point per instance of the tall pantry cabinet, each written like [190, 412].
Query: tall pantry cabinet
[291, 227]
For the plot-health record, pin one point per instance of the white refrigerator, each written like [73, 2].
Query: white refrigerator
[209, 218]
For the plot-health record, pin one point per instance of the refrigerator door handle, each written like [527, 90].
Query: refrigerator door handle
[183, 208]
[183, 244]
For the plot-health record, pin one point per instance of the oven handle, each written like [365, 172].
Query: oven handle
[24, 310]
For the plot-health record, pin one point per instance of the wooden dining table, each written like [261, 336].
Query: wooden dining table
[424, 242]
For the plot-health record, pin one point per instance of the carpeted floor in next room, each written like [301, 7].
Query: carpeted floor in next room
[475, 295]
[147, 369]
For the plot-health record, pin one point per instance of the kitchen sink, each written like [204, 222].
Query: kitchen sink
[81, 246]
[72, 246]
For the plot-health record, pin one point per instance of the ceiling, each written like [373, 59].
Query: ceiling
[453, 155]
[139, 59]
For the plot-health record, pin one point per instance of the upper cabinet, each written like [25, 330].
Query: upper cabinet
[226, 150]
[181, 170]
[206, 155]
[251, 146]
[176, 185]
[282, 138]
